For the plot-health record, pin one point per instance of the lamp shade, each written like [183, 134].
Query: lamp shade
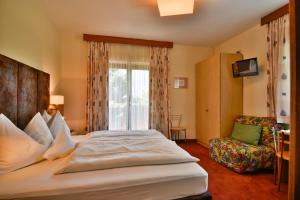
[56, 99]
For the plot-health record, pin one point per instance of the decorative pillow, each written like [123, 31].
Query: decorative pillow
[249, 134]
[46, 116]
[38, 130]
[17, 149]
[63, 143]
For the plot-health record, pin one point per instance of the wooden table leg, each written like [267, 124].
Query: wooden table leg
[278, 169]
[280, 173]
[275, 169]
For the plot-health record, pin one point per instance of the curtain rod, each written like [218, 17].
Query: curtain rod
[275, 15]
[122, 40]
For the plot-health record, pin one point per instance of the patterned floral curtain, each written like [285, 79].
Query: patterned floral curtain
[159, 92]
[97, 101]
[279, 69]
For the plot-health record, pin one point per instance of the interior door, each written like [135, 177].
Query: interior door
[212, 93]
[208, 99]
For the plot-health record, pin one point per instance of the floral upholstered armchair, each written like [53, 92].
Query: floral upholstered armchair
[242, 157]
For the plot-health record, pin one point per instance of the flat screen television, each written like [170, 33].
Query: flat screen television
[248, 67]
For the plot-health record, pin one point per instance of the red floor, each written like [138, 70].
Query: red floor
[225, 184]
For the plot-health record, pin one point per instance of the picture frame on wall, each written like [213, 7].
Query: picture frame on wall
[180, 82]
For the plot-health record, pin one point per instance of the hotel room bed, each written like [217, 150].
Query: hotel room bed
[172, 181]
[28, 90]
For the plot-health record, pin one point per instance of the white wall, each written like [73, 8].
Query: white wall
[183, 59]
[73, 81]
[74, 72]
[28, 36]
[251, 43]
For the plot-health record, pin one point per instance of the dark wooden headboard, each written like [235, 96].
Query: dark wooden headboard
[24, 91]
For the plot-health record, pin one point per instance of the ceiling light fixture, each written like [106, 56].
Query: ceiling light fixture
[175, 7]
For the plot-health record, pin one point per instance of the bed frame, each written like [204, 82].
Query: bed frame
[204, 196]
[24, 91]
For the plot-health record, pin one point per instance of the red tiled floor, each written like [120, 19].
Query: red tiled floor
[225, 184]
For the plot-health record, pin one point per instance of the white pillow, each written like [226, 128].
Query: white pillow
[17, 149]
[38, 130]
[46, 116]
[56, 122]
[63, 143]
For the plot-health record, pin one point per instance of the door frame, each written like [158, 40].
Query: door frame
[294, 168]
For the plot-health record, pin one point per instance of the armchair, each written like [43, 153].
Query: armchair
[242, 157]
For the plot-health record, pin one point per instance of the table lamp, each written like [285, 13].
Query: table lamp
[56, 104]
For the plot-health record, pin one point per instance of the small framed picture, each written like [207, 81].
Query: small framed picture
[180, 82]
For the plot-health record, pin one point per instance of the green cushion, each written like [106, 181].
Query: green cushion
[249, 134]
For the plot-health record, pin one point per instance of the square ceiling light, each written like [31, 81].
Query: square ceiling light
[175, 7]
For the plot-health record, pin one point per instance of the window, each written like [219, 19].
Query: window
[128, 99]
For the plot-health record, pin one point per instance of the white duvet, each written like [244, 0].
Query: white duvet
[113, 149]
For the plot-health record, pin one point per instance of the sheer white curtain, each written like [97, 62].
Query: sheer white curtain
[279, 69]
[283, 86]
[128, 87]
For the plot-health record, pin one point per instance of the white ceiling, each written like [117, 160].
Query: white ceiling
[213, 21]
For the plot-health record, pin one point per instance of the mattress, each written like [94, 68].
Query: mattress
[142, 182]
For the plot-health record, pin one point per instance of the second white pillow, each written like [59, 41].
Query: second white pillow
[63, 143]
[39, 131]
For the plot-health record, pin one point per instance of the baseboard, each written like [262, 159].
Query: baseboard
[187, 141]
[182, 141]
[203, 144]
